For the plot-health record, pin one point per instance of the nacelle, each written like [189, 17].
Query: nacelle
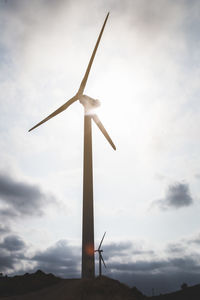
[88, 102]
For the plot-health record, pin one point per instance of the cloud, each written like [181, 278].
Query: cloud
[154, 18]
[19, 198]
[6, 262]
[122, 249]
[114, 248]
[197, 176]
[178, 263]
[61, 259]
[64, 259]
[12, 243]
[4, 229]
[175, 248]
[194, 240]
[12, 253]
[139, 266]
[161, 282]
[177, 196]
[162, 274]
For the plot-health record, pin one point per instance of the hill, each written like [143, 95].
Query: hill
[48, 287]
[26, 283]
[189, 293]
[41, 286]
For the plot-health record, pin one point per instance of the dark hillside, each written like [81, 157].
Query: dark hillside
[26, 283]
[189, 293]
[41, 286]
[48, 287]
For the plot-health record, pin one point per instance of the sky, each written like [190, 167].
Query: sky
[146, 193]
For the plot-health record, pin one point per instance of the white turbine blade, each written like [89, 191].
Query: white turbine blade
[103, 260]
[57, 111]
[103, 130]
[101, 241]
[84, 81]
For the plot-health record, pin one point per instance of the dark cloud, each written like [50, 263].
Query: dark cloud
[7, 262]
[140, 266]
[176, 248]
[177, 196]
[195, 240]
[186, 263]
[12, 252]
[61, 259]
[170, 264]
[4, 229]
[143, 252]
[64, 260]
[12, 243]
[123, 249]
[20, 198]
[163, 275]
[120, 248]
[161, 282]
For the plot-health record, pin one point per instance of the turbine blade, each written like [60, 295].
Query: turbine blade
[101, 241]
[103, 260]
[57, 111]
[103, 130]
[84, 81]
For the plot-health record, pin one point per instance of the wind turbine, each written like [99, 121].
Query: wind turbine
[89, 104]
[99, 250]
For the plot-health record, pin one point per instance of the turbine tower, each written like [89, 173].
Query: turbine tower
[89, 104]
[99, 250]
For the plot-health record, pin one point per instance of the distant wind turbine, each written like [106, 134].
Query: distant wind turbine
[89, 105]
[99, 250]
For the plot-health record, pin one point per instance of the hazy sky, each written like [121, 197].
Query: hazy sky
[146, 194]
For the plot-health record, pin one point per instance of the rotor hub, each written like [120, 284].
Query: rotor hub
[89, 103]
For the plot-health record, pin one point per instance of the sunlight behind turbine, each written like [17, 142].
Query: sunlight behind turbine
[89, 105]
